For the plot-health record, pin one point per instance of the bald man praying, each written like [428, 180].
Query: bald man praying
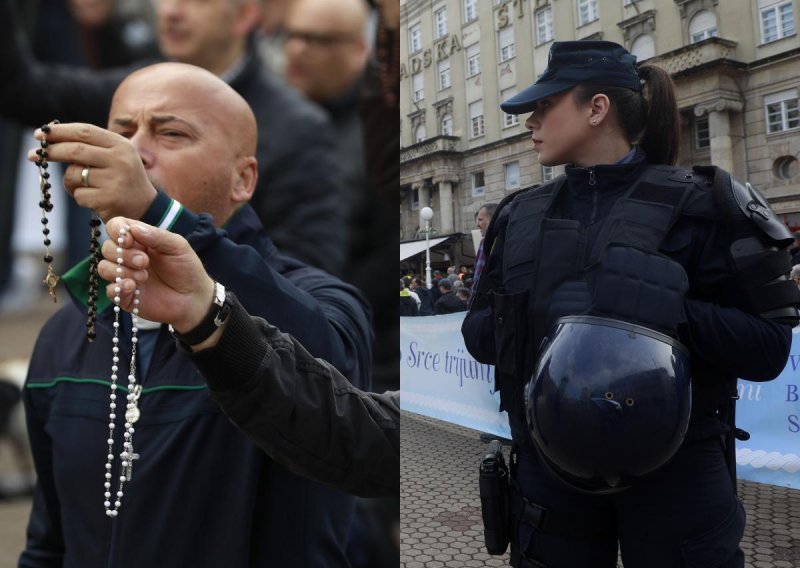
[178, 154]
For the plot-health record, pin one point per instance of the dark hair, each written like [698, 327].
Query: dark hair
[650, 117]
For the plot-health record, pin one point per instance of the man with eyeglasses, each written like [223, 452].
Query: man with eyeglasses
[326, 48]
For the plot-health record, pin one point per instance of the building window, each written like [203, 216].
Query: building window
[643, 47]
[440, 16]
[414, 199]
[419, 133]
[444, 74]
[702, 134]
[587, 12]
[418, 86]
[509, 119]
[544, 25]
[512, 175]
[505, 40]
[547, 174]
[783, 112]
[702, 26]
[470, 10]
[473, 60]
[476, 119]
[777, 21]
[478, 184]
[786, 168]
[447, 125]
[415, 38]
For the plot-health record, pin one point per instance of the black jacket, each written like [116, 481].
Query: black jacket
[449, 303]
[301, 410]
[725, 341]
[202, 494]
[300, 196]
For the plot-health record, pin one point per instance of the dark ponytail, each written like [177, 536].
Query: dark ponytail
[662, 132]
[650, 117]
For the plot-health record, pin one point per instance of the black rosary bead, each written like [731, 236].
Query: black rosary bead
[51, 279]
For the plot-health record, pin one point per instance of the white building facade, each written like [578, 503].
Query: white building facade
[736, 66]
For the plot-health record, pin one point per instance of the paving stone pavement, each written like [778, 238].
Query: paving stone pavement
[440, 514]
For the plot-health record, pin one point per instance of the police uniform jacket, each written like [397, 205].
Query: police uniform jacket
[725, 341]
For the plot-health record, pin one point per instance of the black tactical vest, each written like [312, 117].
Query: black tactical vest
[544, 252]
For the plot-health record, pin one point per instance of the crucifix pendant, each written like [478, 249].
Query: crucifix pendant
[129, 457]
[51, 281]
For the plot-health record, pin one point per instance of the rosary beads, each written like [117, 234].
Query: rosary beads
[94, 259]
[127, 456]
[51, 279]
[134, 392]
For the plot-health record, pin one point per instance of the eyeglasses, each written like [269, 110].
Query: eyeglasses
[317, 41]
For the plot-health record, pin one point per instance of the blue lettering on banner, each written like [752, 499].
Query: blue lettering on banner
[794, 423]
[417, 359]
[467, 368]
[794, 360]
[791, 393]
[748, 392]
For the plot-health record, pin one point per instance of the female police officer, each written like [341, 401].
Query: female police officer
[657, 263]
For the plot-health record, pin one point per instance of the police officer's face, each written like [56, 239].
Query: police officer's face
[559, 130]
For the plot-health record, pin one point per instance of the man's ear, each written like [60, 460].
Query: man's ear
[245, 178]
[248, 17]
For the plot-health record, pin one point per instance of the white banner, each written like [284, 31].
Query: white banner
[438, 378]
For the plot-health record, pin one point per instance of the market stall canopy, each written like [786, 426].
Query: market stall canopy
[410, 248]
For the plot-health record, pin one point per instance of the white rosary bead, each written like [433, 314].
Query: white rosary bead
[126, 455]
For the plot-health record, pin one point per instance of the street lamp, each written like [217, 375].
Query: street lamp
[427, 214]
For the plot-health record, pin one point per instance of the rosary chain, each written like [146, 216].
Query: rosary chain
[127, 455]
[51, 278]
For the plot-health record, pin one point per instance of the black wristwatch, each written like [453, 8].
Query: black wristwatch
[217, 314]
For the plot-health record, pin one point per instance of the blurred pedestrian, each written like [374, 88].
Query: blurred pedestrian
[448, 303]
[408, 304]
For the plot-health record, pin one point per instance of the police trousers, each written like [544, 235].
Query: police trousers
[685, 515]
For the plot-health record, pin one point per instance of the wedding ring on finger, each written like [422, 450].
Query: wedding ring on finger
[85, 177]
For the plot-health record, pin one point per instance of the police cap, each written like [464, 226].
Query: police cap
[576, 62]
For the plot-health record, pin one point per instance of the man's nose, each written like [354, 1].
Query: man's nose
[142, 145]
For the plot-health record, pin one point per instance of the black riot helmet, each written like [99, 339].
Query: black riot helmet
[608, 402]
